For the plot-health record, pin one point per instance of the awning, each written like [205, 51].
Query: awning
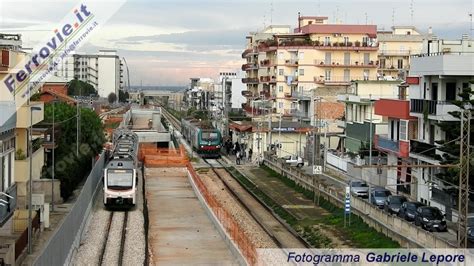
[240, 128]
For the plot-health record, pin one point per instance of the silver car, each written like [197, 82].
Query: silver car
[359, 188]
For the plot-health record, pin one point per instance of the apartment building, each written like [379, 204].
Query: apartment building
[316, 59]
[438, 76]
[360, 117]
[10, 55]
[395, 48]
[103, 70]
[199, 94]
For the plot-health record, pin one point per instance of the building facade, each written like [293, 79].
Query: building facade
[395, 48]
[103, 70]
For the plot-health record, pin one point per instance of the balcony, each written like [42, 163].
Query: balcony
[22, 166]
[301, 95]
[397, 147]
[398, 52]
[345, 63]
[4, 213]
[291, 62]
[422, 150]
[341, 123]
[393, 108]
[247, 94]
[449, 64]
[436, 110]
[249, 52]
[250, 80]
[249, 66]
[266, 63]
[23, 115]
[333, 81]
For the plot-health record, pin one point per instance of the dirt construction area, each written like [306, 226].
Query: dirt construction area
[180, 232]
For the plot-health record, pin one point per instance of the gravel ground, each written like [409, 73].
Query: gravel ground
[134, 252]
[251, 228]
[89, 251]
[112, 250]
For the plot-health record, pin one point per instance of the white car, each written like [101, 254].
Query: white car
[294, 160]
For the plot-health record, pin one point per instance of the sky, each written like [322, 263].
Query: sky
[166, 42]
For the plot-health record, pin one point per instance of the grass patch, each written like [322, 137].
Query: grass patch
[359, 233]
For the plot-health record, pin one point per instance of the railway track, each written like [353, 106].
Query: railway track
[264, 217]
[111, 254]
[173, 120]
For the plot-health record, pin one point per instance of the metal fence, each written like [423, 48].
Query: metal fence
[66, 237]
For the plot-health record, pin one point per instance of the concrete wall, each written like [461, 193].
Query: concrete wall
[405, 233]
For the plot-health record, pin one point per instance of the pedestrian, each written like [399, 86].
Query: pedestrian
[250, 154]
[237, 158]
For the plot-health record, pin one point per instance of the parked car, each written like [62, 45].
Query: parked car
[393, 203]
[430, 218]
[294, 160]
[359, 188]
[378, 196]
[470, 227]
[408, 210]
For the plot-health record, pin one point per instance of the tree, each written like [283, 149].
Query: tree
[70, 167]
[449, 145]
[123, 96]
[80, 88]
[112, 98]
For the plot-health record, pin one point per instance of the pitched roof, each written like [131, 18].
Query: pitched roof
[59, 95]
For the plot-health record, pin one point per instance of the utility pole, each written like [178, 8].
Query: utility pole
[464, 155]
[370, 130]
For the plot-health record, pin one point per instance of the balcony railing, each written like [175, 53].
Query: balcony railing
[291, 62]
[421, 106]
[399, 52]
[6, 212]
[345, 63]
[249, 66]
[340, 80]
[250, 80]
[249, 52]
[422, 148]
[301, 94]
[383, 142]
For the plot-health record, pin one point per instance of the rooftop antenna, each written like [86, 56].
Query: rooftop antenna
[393, 17]
[271, 13]
[470, 15]
[264, 18]
[412, 9]
[319, 8]
[337, 14]
[366, 18]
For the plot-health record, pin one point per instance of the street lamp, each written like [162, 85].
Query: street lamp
[30, 193]
[54, 147]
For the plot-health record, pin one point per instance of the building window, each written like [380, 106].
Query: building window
[400, 63]
[280, 88]
[301, 71]
[327, 40]
[280, 55]
[366, 74]
[365, 40]
[382, 63]
[327, 58]
[346, 40]
[280, 71]
[301, 55]
[403, 130]
[327, 74]
[280, 105]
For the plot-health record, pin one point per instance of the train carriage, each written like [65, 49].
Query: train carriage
[203, 138]
[120, 173]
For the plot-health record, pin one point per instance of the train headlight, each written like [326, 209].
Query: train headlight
[202, 146]
[218, 146]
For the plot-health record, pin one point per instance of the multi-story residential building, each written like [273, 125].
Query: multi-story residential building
[435, 80]
[359, 112]
[317, 57]
[103, 70]
[199, 94]
[10, 55]
[395, 48]
[396, 142]
[438, 76]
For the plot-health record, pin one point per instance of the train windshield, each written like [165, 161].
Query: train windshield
[120, 179]
[209, 136]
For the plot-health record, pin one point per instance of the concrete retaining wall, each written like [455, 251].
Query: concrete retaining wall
[405, 233]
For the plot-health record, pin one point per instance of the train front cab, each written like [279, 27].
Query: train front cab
[120, 187]
[209, 143]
